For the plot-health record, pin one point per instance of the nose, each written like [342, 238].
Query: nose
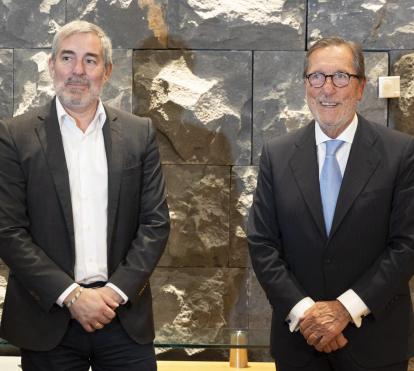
[79, 68]
[329, 86]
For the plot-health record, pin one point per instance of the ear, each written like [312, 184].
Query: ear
[108, 72]
[361, 87]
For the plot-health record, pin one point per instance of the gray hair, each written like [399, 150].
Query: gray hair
[355, 48]
[78, 26]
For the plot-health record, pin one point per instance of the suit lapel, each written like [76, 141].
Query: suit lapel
[50, 138]
[304, 165]
[362, 162]
[114, 154]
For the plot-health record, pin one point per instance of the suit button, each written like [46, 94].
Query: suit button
[327, 261]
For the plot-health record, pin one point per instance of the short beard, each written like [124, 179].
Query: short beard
[70, 99]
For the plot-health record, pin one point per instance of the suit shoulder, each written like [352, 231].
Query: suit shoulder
[389, 135]
[127, 118]
[286, 141]
[29, 117]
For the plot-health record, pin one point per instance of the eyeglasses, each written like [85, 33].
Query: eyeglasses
[339, 79]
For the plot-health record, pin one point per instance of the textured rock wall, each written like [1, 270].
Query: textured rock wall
[217, 78]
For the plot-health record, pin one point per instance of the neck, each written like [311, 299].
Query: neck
[83, 117]
[333, 131]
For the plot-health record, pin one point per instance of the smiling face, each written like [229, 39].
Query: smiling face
[79, 71]
[332, 107]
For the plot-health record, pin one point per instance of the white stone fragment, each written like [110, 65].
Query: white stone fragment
[406, 65]
[184, 88]
[204, 97]
[89, 9]
[43, 86]
[376, 70]
[374, 5]
[45, 5]
[213, 105]
[260, 12]
[408, 29]
[191, 305]
[28, 96]
[316, 34]
[53, 27]
[123, 4]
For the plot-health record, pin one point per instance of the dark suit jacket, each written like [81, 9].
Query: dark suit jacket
[370, 248]
[36, 224]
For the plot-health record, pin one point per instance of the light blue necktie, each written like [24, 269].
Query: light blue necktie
[330, 182]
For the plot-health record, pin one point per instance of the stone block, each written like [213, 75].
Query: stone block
[118, 91]
[200, 102]
[198, 197]
[30, 24]
[260, 311]
[377, 24]
[193, 304]
[401, 113]
[131, 24]
[6, 83]
[243, 185]
[279, 103]
[237, 24]
[33, 86]
[372, 107]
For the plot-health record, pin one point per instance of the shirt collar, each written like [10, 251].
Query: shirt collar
[100, 114]
[347, 135]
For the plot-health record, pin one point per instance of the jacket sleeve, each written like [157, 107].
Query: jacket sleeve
[154, 225]
[381, 284]
[27, 262]
[266, 246]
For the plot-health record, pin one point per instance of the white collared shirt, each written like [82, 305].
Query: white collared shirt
[342, 154]
[88, 179]
[349, 299]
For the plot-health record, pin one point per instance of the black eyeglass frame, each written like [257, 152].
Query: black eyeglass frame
[332, 78]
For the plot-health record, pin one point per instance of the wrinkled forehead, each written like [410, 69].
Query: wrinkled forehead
[81, 41]
[331, 59]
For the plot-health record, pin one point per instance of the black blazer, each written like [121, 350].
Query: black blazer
[36, 225]
[370, 248]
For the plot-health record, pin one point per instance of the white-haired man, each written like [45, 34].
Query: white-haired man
[83, 219]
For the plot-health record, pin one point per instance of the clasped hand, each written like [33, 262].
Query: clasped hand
[95, 308]
[322, 325]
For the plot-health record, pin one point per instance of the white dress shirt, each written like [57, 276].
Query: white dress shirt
[88, 179]
[349, 299]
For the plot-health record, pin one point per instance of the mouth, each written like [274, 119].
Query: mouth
[77, 83]
[329, 104]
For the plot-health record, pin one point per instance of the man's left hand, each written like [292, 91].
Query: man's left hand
[323, 322]
[110, 296]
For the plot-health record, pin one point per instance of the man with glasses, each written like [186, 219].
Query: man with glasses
[331, 229]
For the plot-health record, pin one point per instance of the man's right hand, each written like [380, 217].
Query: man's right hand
[91, 310]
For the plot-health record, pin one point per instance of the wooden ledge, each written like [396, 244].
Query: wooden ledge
[211, 366]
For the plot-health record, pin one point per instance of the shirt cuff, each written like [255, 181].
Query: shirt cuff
[297, 312]
[119, 291]
[354, 305]
[65, 293]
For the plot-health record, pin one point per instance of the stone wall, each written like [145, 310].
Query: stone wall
[217, 77]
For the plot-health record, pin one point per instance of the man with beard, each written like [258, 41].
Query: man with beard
[83, 220]
[331, 228]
